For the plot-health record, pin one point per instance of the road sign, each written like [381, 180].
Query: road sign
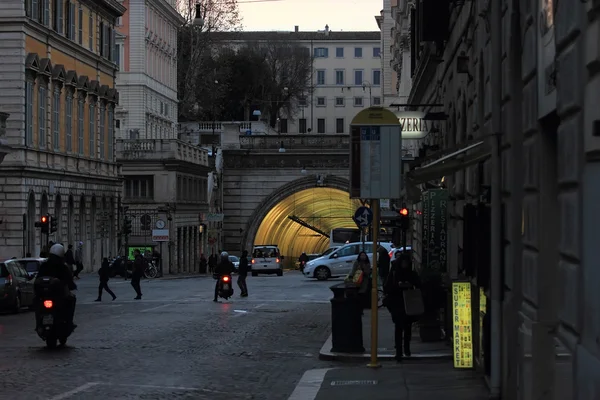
[160, 235]
[160, 224]
[375, 155]
[363, 217]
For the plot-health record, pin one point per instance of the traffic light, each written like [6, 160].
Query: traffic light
[404, 219]
[53, 224]
[127, 225]
[43, 224]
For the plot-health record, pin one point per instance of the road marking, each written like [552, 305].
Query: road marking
[156, 308]
[158, 387]
[260, 306]
[78, 389]
[309, 385]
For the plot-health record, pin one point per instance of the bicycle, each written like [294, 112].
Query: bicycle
[151, 271]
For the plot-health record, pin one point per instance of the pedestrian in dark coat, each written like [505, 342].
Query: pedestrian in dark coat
[139, 265]
[243, 273]
[104, 273]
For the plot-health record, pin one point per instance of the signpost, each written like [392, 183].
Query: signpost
[160, 235]
[462, 341]
[375, 173]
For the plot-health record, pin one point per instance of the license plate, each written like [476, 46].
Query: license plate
[48, 320]
[225, 287]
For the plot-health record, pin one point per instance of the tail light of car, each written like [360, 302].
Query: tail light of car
[277, 260]
[253, 261]
[391, 254]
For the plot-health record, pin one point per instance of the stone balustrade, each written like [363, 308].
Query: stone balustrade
[296, 142]
[161, 149]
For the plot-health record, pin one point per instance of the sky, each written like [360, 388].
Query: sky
[310, 15]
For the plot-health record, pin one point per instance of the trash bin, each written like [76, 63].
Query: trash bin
[346, 319]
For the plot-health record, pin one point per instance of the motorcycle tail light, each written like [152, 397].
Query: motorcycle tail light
[48, 303]
[225, 279]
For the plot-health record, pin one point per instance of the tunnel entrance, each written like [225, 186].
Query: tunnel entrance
[303, 221]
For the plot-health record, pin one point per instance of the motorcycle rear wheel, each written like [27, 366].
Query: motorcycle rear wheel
[62, 341]
[51, 342]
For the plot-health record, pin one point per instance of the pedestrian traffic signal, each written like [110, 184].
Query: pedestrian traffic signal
[127, 226]
[44, 223]
[53, 224]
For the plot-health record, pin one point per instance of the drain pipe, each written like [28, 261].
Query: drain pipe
[496, 183]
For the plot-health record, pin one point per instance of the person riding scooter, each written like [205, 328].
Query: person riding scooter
[55, 267]
[224, 267]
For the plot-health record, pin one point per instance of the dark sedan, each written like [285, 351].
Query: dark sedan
[16, 286]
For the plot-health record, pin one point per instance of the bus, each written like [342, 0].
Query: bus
[341, 236]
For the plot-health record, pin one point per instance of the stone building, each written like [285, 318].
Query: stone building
[58, 85]
[523, 74]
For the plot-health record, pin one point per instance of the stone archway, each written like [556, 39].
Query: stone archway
[30, 228]
[281, 193]
[58, 238]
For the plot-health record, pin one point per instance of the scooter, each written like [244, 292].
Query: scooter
[225, 287]
[50, 312]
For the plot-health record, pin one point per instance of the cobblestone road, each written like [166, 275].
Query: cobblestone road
[174, 344]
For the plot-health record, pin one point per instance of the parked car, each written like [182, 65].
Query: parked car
[16, 286]
[31, 264]
[340, 261]
[236, 262]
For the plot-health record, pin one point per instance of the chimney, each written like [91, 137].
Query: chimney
[296, 28]
[327, 30]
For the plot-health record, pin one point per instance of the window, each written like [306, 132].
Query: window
[119, 21]
[376, 52]
[302, 101]
[118, 58]
[358, 76]
[45, 12]
[92, 130]
[80, 110]
[91, 31]
[321, 125]
[101, 130]
[358, 52]
[339, 77]
[56, 118]
[320, 77]
[80, 26]
[69, 122]
[302, 125]
[321, 101]
[358, 101]
[376, 77]
[321, 52]
[42, 116]
[58, 20]
[339, 52]
[70, 21]
[105, 34]
[29, 113]
[142, 187]
[348, 251]
[111, 132]
[376, 101]
[283, 125]
[339, 102]
[339, 125]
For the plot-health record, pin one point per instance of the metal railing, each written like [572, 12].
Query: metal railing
[296, 142]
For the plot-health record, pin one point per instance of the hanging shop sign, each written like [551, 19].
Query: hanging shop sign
[160, 235]
[462, 341]
[211, 217]
[435, 229]
[375, 155]
[414, 125]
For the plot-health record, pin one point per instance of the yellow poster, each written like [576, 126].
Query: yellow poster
[462, 322]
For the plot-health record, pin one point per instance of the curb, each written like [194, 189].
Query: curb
[326, 354]
[309, 385]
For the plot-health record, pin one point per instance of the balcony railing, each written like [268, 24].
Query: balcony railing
[296, 142]
[160, 149]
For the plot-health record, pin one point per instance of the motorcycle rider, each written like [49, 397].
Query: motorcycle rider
[224, 267]
[55, 267]
[303, 260]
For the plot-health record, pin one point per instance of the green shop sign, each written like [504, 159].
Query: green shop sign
[435, 229]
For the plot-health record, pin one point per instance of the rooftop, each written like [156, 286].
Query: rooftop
[299, 35]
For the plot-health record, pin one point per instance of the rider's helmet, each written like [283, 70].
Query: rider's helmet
[224, 254]
[58, 250]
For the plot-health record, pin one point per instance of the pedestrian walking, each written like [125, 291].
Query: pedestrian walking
[104, 273]
[360, 276]
[70, 258]
[136, 274]
[203, 264]
[243, 273]
[212, 263]
[383, 263]
[400, 278]
[78, 260]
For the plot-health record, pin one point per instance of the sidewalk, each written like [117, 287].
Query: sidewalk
[385, 347]
[431, 380]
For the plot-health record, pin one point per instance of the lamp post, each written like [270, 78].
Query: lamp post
[365, 85]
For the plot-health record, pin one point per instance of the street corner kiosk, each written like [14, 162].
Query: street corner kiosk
[375, 155]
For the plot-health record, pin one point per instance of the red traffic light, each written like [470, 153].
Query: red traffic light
[404, 211]
[44, 219]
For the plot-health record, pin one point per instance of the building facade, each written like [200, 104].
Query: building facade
[518, 84]
[346, 76]
[147, 78]
[58, 85]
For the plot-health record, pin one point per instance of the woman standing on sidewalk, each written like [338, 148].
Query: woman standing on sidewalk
[401, 277]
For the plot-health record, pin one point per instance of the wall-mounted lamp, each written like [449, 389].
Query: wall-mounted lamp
[462, 66]
[281, 148]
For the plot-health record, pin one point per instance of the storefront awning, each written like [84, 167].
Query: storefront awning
[472, 153]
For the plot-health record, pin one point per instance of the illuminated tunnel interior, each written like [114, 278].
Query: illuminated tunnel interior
[321, 208]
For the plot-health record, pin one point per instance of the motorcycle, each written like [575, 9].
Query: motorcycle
[302, 265]
[225, 287]
[52, 323]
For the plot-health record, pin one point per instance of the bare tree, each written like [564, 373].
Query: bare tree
[194, 46]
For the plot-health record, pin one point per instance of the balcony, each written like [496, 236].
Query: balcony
[297, 143]
[160, 150]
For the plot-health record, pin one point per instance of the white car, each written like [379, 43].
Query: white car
[235, 261]
[340, 261]
[396, 251]
[266, 259]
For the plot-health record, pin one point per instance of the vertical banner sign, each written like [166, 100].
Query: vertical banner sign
[435, 229]
[425, 229]
[462, 342]
[375, 155]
